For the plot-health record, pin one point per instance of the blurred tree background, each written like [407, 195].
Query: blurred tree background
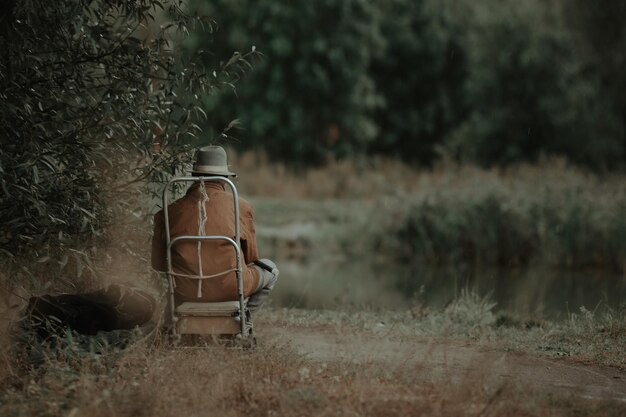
[312, 93]
[490, 82]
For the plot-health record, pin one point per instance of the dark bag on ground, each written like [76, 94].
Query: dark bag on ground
[114, 307]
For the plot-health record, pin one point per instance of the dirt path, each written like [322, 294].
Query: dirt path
[454, 360]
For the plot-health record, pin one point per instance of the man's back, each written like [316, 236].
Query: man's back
[217, 258]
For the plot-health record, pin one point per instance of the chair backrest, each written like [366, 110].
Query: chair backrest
[236, 242]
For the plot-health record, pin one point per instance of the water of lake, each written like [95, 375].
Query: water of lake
[528, 293]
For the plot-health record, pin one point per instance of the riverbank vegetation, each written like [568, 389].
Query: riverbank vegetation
[588, 336]
[563, 219]
[551, 214]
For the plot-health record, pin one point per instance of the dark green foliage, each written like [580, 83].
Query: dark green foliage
[527, 94]
[86, 90]
[311, 94]
[492, 82]
[599, 28]
[420, 76]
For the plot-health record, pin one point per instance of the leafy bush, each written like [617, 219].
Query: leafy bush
[86, 90]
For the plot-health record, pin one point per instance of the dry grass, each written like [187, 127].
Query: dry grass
[374, 178]
[82, 376]
[345, 179]
[154, 381]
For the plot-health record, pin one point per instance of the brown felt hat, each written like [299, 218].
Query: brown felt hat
[212, 160]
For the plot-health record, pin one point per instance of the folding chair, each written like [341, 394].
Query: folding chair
[207, 318]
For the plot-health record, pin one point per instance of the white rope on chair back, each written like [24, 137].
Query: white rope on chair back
[202, 218]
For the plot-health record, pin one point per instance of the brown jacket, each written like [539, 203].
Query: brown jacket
[217, 256]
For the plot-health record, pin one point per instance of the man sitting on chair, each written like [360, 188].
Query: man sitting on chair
[210, 211]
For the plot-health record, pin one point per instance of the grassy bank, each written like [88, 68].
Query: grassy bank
[597, 338]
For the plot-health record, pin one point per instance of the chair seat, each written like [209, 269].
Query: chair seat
[222, 308]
